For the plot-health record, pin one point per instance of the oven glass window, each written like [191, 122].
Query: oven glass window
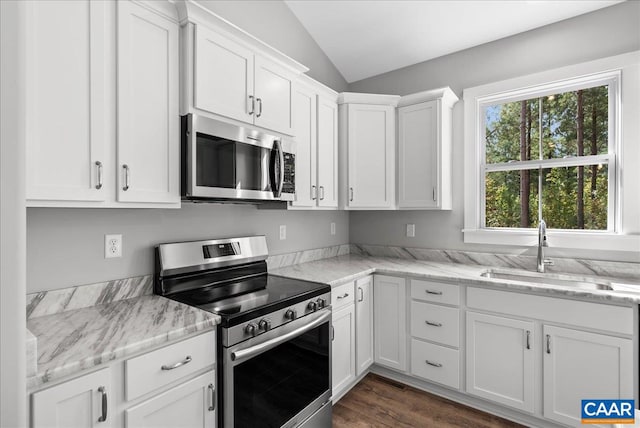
[273, 387]
[231, 164]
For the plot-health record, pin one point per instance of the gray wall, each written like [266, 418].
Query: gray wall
[607, 32]
[65, 247]
[273, 22]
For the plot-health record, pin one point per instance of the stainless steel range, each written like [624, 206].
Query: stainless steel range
[274, 344]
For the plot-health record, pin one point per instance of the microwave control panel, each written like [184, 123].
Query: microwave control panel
[289, 184]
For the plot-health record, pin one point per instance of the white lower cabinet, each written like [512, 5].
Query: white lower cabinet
[435, 363]
[343, 350]
[364, 324]
[190, 405]
[74, 404]
[389, 319]
[580, 365]
[500, 360]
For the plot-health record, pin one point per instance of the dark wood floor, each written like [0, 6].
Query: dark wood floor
[379, 402]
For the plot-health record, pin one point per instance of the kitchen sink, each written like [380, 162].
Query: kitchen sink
[551, 279]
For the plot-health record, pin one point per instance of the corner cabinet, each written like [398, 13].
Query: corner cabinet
[390, 325]
[424, 150]
[364, 324]
[367, 151]
[93, 107]
[315, 125]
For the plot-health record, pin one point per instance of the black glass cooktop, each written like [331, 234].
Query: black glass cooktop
[237, 301]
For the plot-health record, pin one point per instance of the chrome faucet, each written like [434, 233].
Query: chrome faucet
[542, 242]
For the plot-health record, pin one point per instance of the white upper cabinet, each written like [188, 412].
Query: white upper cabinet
[272, 91]
[315, 118]
[367, 151]
[148, 119]
[223, 76]
[424, 150]
[66, 72]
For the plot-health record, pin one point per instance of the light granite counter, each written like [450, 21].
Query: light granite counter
[339, 270]
[75, 340]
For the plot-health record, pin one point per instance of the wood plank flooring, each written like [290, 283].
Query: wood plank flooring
[379, 402]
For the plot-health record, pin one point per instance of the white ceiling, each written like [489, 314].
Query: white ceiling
[364, 38]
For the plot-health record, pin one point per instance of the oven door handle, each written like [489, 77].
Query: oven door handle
[243, 354]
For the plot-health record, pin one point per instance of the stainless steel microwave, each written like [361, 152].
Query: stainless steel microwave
[221, 161]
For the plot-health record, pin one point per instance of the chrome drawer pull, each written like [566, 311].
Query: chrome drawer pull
[343, 296]
[103, 390]
[433, 364]
[176, 365]
[435, 324]
[212, 407]
[437, 293]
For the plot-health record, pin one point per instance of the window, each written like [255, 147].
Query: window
[550, 157]
[562, 145]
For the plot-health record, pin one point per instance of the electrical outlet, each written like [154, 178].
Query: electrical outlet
[333, 228]
[411, 230]
[112, 246]
[283, 232]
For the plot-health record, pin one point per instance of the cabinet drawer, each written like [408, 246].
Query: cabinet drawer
[145, 373]
[435, 363]
[342, 295]
[436, 292]
[436, 323]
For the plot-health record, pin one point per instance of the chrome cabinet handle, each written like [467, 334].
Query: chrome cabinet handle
[126, 169]
[434, 193]
[435, 324]
[350, 194]
[528, 339]
[343, 296]
[314, 193]
[433, 364]
[253, 105]
[361, 294]
[178, 364]
[103, 390]
[259, 100]
[99, 173]
[548, 344]
[321, 193]
[333, 333]
[212, 407]
[437, 293]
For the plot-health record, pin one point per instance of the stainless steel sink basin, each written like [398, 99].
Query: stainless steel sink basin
[550, 279]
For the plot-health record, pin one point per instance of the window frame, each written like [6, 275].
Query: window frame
[618, 236]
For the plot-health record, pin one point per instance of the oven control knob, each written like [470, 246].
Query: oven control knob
[312, 306]
[265, 324]
[251, 329]
[321, 303]
[291, 314]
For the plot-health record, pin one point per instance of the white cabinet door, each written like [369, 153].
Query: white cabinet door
[343, 366]
[418, 153]
[304, 129]
[74, 404]
[223, 81]
[66, 73]
[500, 360]
[327, 152]
[273, 90]
[390, 323]
[190, 405]
[148, 118]
[371, 156]
[580, 365]
[364, 324]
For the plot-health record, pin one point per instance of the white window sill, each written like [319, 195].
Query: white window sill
[558, 239]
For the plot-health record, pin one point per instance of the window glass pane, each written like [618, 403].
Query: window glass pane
[511, 199]
[575, 197]
[575, 123]
[511, 131]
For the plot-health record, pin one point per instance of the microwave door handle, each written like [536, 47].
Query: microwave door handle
[278, 147]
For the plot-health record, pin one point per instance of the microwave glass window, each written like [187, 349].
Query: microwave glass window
[230, 164]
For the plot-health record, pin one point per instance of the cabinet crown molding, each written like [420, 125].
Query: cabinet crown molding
[194, 12]
[317, 86]
[357, 98]
[449, 98]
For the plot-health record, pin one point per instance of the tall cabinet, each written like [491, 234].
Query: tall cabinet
[367, 151]
[424, 149]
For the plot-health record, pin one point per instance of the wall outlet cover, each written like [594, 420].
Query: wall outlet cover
[411, 230]
[112, 246]
[283, 232]
[333, 228]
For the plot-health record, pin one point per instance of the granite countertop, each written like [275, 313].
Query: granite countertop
[76, 340]
[339, 270]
